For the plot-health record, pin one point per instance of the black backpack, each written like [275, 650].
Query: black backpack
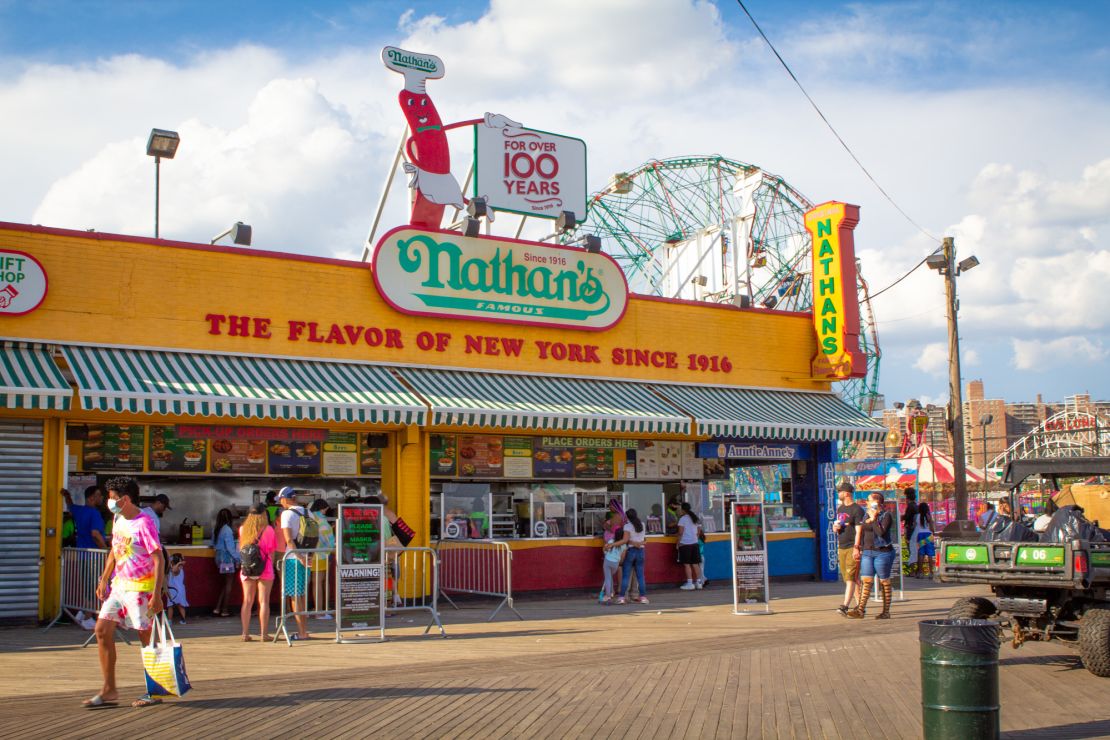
[251, 560]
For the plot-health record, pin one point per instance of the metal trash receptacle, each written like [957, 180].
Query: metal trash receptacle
[959, 678]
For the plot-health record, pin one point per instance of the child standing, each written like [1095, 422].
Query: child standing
[612, 555]
[175, 587]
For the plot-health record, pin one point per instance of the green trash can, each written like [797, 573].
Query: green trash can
[959, 679]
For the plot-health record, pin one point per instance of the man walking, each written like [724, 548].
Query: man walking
[849, 515]
[295, 569]
[134, 594]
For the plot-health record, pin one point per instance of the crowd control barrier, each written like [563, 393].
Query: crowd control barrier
[81, 569]
[480, 567]
[317, 567]
[413, 583]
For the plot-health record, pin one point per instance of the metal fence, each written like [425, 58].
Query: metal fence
[81, 569]
[413, 583]
[311, 579]
[480, 567]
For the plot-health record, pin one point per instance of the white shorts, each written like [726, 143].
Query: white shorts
[129, 608]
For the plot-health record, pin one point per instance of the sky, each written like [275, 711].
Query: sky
[988, 122]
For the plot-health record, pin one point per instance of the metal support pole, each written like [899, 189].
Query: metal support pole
[955, 395]
[385, 195]
[157, 182]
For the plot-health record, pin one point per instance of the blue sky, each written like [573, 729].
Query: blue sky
[986, 121]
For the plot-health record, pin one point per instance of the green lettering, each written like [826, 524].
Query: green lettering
[824, 227]
[828, 285]
[474, 275]
[828, 346]
[828, 307]
[828, 326]
[825, 249]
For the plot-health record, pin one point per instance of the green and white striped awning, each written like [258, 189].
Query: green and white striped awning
[29, 379]
[768, 414]
[236, 386]
[542, 402]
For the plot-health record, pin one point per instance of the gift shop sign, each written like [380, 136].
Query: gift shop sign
[530, 172]
[835, 297]
[445, 274]
[22, 283]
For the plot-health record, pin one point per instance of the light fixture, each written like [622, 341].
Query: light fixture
[770, 302]
[985, 419]
[742, 301]
[478, 207]
[239, 232]
[162, 143]
[898, 405]
[700, 280]
[967, 264]
[936, 261]
[592, 243]
[566, 222]
[473, 227]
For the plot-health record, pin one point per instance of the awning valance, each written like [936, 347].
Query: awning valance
[29, 379]
[542, 402]
[750, 412]
[195, 384]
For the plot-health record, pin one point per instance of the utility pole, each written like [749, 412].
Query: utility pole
[955, 393]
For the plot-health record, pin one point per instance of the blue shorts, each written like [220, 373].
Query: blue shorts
[876, 562]
[294, 577]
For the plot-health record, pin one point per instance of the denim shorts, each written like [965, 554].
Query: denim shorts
[876, 562]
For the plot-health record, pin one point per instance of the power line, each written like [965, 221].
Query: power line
[838, 137]
[908, 273]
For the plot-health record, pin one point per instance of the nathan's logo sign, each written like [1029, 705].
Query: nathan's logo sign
[22, 283]
[442, 273]
[835, 299]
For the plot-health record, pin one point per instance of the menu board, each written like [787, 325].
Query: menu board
[692, 467]
[594, 462]
[518, 457]
[370, 459]
[238, 456]
[442, 451]
[480, 456]
[359, 582]
[714, 468]
[552, 461]
[172, 453]
[341, 453]
[749, 550]
[295, 458]
[114, 447]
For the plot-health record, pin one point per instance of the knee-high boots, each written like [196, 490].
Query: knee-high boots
[864, 595]
[886, 591]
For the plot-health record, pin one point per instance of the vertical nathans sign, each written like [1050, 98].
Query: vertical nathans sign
[835, 299]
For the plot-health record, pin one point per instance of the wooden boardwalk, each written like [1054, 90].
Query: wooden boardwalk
[680, 667]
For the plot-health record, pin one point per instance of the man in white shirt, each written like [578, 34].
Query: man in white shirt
[295, 570]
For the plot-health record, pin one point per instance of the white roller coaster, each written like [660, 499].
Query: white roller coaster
[1072, 432]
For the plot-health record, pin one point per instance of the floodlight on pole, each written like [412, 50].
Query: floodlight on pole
[239, 232]
[984, 422]
[162, 143]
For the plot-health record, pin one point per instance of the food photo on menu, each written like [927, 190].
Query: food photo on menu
[238, 456]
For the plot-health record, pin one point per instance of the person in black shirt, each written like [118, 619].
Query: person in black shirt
[909, 516]
[849, 515]
[877, 558]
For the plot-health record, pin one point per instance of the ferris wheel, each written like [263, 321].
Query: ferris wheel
[715, 229]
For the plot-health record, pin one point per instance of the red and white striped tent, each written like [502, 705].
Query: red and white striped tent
[922, 466]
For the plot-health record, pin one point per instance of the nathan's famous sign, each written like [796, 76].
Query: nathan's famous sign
[835, 298]
[443, 273]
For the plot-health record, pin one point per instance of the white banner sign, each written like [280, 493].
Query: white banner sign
[530, 172]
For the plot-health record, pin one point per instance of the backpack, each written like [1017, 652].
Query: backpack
[310, 532]
[252, 562]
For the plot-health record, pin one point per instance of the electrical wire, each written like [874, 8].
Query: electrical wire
[838, 138]
[911, 271]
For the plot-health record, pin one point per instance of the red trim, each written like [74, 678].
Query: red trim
[455, 234]
[45, 283]
[103, 236]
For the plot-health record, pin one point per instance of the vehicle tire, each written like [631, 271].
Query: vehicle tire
[1094, 640]
[972, 607]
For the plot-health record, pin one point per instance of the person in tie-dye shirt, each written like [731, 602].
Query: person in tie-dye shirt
[130, 586]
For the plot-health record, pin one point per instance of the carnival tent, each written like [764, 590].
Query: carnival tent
[922, 466]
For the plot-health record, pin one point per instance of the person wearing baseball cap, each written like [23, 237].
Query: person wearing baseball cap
[294, 570]
[849, 517]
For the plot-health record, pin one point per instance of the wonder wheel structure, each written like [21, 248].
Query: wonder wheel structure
[715, 229]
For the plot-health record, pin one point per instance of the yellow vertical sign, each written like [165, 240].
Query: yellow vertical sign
[835, 298]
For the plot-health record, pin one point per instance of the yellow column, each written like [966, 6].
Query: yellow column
[405, 481]
[50, 528]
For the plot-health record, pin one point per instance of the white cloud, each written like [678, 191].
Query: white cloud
[933, 359]
[1062, 352]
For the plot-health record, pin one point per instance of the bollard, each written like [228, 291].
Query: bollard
[959, 678]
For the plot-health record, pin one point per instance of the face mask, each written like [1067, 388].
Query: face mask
[114, 506]
[873, 505]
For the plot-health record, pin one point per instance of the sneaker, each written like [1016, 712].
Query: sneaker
[182, 621]
[89, 624]
[620, 600]
[324, 616]
[842, 610]
[601, 597]
[699, 584]
[642, 600]
[688, 586]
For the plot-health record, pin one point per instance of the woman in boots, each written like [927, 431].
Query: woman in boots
[878, 556]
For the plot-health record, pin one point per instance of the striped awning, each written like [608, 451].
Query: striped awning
[236, 386]
[793, 415]
[540, 402]
[29, 379]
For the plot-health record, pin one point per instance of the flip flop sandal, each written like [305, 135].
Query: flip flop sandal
[99, 702]
[146, 700]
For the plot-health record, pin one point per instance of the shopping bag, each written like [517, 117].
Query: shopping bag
[163, 661]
